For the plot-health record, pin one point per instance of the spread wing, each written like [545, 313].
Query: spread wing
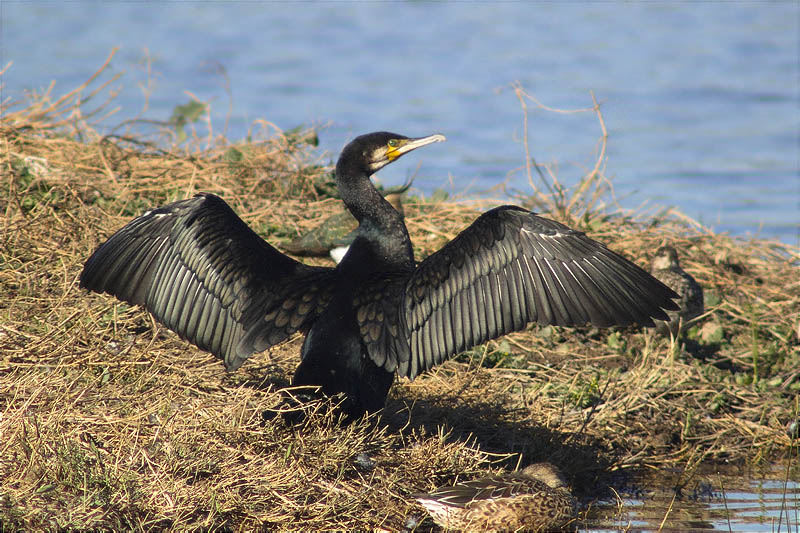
[202, 272]
[509, 268]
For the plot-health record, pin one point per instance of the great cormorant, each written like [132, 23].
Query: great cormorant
[535, 499]
[207, 276]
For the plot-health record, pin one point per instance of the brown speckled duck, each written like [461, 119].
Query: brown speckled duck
[666, 268]
[535, 499]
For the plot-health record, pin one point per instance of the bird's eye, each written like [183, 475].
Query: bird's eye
[393, 143]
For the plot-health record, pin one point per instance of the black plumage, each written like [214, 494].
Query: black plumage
[206, 275]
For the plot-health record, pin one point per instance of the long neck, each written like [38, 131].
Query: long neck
[380, 226]
[361, 197]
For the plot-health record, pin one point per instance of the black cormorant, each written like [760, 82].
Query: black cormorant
[207, 276]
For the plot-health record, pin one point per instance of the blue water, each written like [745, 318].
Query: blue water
[731, 502]
[702, 100]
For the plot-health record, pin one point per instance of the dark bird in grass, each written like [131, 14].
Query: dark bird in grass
[334, 235]
[666, 268]
[536, 499]
[206, 275]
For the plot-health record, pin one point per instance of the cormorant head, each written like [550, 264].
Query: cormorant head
[369, 153]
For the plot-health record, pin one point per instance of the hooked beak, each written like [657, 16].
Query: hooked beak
[407, 145]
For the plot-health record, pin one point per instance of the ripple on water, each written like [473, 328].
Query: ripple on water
[710, 501]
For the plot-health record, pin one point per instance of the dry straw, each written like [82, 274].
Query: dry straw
[109, 421]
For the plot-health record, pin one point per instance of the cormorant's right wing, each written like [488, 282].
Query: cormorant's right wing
[202, 272]
[509, 268]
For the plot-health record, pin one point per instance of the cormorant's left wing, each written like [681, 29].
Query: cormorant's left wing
[202, 272]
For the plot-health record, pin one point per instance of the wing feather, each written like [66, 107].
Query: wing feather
[465, 320]
[202, 272]
[509, 268]
[518, 314]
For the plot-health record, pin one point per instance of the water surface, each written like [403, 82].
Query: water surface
[714, 499]
[701, 99]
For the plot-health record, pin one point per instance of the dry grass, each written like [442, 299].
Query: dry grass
[109, 421]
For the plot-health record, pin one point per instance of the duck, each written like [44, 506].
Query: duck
[666, 268]
[534, 499]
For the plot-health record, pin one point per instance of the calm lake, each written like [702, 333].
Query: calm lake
[701, 99]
